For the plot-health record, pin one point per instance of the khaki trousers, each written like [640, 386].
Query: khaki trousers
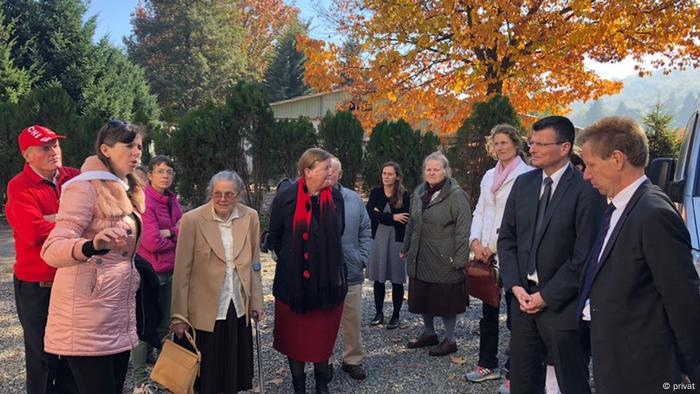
[351, 322]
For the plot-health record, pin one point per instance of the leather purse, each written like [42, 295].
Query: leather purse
[177, 368]
[482, 281]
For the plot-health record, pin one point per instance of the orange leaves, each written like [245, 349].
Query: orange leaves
[427, 62]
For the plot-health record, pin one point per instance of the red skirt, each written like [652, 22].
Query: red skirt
[307, 337]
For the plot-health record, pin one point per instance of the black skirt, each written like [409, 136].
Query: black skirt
[437, 299]
[227, 356]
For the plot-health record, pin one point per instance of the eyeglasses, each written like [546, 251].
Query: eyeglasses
[533, 144]
[116, 123]
[226, 196]
[164, 172]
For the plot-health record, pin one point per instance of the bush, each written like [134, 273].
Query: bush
[341, 134]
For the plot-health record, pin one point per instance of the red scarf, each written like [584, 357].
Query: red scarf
[317, 276]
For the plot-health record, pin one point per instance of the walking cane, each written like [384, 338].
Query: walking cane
[257, 346]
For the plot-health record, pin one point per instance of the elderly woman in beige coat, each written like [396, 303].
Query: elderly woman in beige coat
[217, 285]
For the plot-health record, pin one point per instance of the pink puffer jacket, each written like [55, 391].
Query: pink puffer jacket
[92, 307]
[162, 213]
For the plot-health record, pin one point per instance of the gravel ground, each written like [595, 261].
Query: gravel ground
[390, 366]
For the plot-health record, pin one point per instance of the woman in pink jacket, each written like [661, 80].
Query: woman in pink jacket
[92, 320]
[161, 221]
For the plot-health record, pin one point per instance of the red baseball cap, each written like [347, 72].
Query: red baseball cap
[36, 136]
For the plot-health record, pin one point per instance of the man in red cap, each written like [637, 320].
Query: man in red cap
[32, 203]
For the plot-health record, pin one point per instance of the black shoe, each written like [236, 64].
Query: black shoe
[393, 323]
[322, 380]
[355, 371]
[378, 319]
[299, 383]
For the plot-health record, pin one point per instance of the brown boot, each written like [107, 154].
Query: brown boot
[443, 349]
[423, 341]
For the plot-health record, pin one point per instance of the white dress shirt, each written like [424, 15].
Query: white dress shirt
[620, 202]
[231, 290]
[556, 177]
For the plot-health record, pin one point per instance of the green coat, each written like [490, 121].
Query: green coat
[437, 238]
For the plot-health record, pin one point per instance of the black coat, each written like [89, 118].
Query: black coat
[375, 209]
[148, 311]
[644, 300]
[280, 236]
[562, 246]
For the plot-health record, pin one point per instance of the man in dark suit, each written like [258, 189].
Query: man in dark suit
[639, 290]
[548, 228]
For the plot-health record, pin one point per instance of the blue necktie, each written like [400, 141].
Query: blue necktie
[593, 258]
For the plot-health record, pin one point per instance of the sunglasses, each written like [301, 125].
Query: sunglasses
[116, 123]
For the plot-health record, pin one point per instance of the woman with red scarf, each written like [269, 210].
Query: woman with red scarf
[306, 223]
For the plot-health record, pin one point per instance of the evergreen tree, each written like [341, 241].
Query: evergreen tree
[53, 40]
[248, 111]
[341, 134]
[15, 82]
[291, 138]
[663, 141]
[203, 144]
[10, 126]
[397, 141]
[468, 157]
[191, 51]
[284, 76]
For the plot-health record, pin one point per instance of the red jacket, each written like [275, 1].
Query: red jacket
[29, 199]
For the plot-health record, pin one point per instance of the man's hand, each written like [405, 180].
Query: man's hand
[523, 297]
[536, 304]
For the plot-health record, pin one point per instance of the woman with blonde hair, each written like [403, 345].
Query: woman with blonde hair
[505, 145]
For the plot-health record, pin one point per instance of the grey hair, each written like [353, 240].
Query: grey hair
[228, 176]
[438, 156]
[337, 160]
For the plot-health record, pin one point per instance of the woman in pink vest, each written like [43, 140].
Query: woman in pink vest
[92, 320]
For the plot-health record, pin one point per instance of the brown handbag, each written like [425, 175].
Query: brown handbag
[177, 367]
[482, 281]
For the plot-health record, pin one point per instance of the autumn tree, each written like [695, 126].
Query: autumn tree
[263, 22]
[341, 134]
[663, 140]
[469, 156]
[432, 60]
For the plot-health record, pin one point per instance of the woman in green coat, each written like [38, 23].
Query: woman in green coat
[436, 245]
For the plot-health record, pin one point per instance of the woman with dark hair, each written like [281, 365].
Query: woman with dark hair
[306, 223]
[388, 208]
[92, 320]
[160, 229]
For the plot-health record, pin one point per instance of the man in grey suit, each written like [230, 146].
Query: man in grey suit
[357, 241]
[547, 230]
[639, 291]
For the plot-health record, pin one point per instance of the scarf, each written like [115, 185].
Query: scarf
[502, 172]
[429, 191]
[317, 277]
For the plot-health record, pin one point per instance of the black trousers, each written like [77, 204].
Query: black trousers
[532, 341]
[100, 374]
[46, 373]
[488, 337]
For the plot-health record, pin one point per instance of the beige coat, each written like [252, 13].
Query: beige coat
[200, 265]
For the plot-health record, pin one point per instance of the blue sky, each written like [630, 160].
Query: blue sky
[114, 17]
[114, 20]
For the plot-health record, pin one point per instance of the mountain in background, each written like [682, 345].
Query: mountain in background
[678, 92]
